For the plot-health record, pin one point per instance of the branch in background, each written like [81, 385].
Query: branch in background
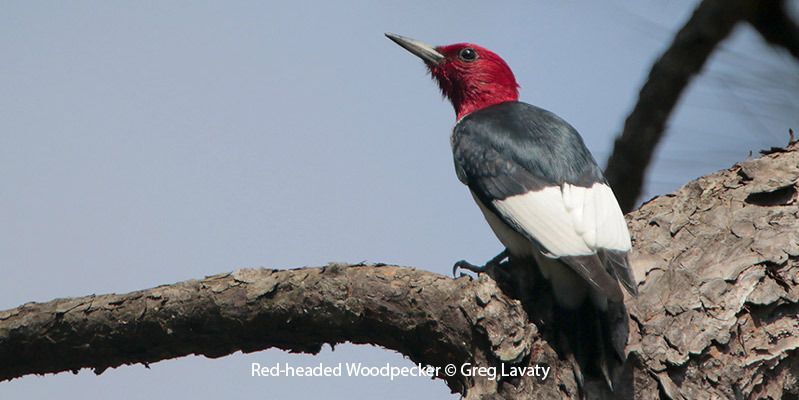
[710, 23]
[717, 264]
[772, 21]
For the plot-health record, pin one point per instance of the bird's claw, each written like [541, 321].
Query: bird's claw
[492, 263]
[463, 264]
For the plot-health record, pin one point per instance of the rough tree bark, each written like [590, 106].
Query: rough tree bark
[718, 267]
[718, 271]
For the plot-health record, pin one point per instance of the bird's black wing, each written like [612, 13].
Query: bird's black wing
[533, 170]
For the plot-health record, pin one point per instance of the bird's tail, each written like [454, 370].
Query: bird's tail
[595, 339]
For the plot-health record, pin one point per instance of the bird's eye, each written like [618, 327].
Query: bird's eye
[468, 54]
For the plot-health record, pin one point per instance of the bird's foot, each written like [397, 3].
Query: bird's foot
[492, 263]
[463, 264]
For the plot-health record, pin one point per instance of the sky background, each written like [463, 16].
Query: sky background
[144, 143]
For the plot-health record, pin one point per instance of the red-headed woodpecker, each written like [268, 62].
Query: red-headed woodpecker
[541, 192]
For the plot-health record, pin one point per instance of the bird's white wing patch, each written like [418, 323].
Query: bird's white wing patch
[597, 216]
[543, 216]
[569, 220]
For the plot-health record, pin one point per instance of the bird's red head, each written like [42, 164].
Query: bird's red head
[471, 76]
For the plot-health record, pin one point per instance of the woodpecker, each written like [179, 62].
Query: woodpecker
[543, 195]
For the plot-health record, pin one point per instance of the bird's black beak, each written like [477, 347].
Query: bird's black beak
[424, 51]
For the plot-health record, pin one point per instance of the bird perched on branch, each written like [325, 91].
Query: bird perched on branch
[544, 197]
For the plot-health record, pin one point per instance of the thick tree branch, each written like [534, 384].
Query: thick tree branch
[719, 260]
[432, 319]
[718, 270]
[710, 23]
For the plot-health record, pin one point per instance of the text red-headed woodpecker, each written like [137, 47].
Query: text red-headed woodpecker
[542, 193]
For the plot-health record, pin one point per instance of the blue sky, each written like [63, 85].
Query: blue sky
[144, 143]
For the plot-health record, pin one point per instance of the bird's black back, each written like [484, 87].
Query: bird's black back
[507, 139]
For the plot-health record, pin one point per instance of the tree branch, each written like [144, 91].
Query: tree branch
[432, 319]
[718, 270]
[772, 21]
[710, 23]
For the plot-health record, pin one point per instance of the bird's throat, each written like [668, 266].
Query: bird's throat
[475, 99]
